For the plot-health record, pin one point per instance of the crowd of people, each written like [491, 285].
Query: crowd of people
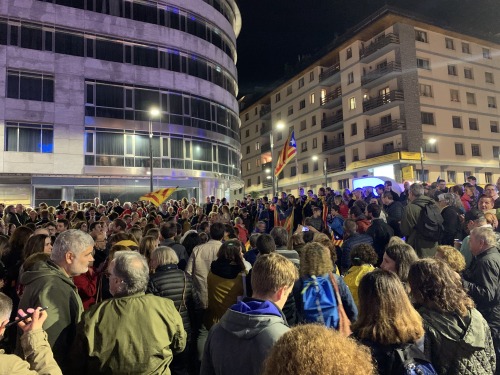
[359, 282]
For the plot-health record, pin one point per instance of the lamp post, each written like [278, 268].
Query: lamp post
[315, 158]
[153, 113]
[280, 125]
[431, 141]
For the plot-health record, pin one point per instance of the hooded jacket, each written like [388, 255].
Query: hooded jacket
[458, 345]
[45, 284]
[241, 341]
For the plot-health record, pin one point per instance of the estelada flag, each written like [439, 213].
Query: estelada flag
[159, 196]
[287, 153]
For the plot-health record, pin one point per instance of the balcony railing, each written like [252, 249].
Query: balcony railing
[331, 96]
[394, 125]
[336, 168]
[264, 129]
[386, 151]
[393, 66]
[330, 145]
[328, 121]
[382, 100]
[381, 43]
[329, 72]
[265, 110]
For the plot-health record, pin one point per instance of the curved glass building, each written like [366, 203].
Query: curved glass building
[80, 78]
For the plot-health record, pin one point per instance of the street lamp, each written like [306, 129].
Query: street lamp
[153, 113]
[280, 125]
[325, 162]
[431, 141]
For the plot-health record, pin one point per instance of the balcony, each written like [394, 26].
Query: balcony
[373, 132]
[375, 105]
[266, 184]
[264, 129]
[331, 147]
[332, 123]
[332, 99]
[266, 147]
[330, 75]
[265, 111]
[383, 73]
[336, 168]
[387, 151]
[378, 48]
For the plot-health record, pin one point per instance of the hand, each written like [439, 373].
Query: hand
[33, 323]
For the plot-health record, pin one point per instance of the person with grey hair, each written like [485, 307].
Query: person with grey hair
[36, 348]
[49, 283]
[416, 203]
[482, 279]
[452, 228]
[168, 281]
[133, 332]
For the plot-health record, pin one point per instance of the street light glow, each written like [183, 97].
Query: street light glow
[315, 158]
[154, 112]
[431, 141]
[268, 177]
[280, 125]
[268, 170]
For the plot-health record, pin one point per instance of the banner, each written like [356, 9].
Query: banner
[159, 196]
[287, 153]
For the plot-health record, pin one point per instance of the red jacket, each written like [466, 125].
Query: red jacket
[87, 287]
[242, 233]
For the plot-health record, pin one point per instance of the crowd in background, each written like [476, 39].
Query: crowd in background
[180, 278]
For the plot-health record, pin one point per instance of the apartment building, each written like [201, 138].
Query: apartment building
[78, 79]
[392, 94]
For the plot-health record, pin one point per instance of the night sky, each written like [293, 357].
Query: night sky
[276, 32]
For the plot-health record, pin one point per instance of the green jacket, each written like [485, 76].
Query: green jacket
[411, 213]
[39, 359]
[458, 345]
[47, 285]
[136, 334]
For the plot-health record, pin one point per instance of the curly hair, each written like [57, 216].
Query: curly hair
[452, 256]
[386, 315]
[363, 254]
[307, 350]
[315, 260]
[436, 286]
[324, 240]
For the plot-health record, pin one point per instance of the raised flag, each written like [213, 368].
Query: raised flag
[157, 197]
[287, 153]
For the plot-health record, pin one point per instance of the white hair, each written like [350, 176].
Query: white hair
[73, 240]
[132, 268]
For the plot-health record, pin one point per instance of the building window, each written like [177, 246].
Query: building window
[492, 102]
[429, 147]
[452, 70]
[305, 168]
[30, 86]
[247, 133]
[301, 82]
[256, 111]
[247, 116]
[427, 118]
[28, 137]
[457, 122]
[258, 180]
[323, 94]
[348, 53]
[476, 150]
[249, 166]
[315, 166]
[277, 97]
[302, 104]
[256, 128]
[473, 124]
[303, 125]
[467, 174]
[486, 53]
[496, 152]
[303, 146]
[465, 47]
[488, 77]
[354, 129]
[352, 103]
[488, 177]
[451, 176]
[454, 95]
[313, 120]
[459, 149]
[468, 73]
[350, 78]
[449, 43]
[421, 36]
[355, 155]
[312, 98]
[311, 76]
[494, 126]
[423, 64]
[248, 149]
[249, 182]
[471, 98]
[257, 146]
[426, 90]
[293, 171]
[315, 143]
[290, 110]
[289, 90]
[344, 184]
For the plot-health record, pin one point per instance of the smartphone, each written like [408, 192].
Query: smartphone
[305, 229]
[23, 318]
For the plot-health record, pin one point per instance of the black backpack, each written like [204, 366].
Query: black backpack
[412, 361]
[430, 222]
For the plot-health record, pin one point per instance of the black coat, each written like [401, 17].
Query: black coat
[451, 225]
[394, 214]
[381, 233]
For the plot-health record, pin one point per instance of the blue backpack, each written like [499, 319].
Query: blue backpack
[413, 361]
[320, 304]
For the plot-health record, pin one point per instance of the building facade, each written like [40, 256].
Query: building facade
[391, 95]
[78, 79]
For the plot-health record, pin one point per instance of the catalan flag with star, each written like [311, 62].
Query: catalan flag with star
[159, 196]
[287, 153]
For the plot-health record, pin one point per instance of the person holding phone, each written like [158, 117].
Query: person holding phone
[36, 348]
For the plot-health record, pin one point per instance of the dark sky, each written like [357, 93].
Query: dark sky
[276, 32]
